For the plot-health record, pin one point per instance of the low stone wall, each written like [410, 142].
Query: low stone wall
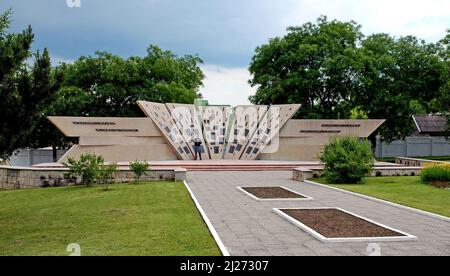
[414, 162]
[23, 178]
[397, 171]
[302, 174]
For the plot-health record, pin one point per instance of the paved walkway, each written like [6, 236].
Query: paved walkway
[249, 227]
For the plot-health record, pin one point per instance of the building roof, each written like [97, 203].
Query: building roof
[430, 123]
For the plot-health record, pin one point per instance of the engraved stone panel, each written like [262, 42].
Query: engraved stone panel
[245, 121]
[105, 127]
[269, 128]
[215, 126]
[189, 124]
[163, 119]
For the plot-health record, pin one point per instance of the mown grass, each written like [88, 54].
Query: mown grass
[147, 219]
[405, 190]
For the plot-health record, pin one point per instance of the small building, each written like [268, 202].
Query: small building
[428, 140]
[430, 125]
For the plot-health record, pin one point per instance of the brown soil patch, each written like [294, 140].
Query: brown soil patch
[333, 223]
[271, 192]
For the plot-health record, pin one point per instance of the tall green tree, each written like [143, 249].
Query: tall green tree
[45, 133]
[397, 78]
[106, 85]
[113, 84]
[443, 100]
[335, 72]
[24, 89]
[313, 65]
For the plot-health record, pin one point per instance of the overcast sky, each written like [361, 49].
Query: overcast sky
[224, 33]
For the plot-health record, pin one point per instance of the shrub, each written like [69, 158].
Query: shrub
[436, 173]
[87, 167]
[108, 173]
[347, 160]
[139, 169]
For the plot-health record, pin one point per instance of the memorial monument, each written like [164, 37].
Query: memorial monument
[240, 133]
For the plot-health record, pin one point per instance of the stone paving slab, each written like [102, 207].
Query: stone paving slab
[250, 228]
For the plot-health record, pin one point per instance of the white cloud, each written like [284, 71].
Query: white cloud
[227, 86]
[424, 19]
[57, 60]
[225, 37]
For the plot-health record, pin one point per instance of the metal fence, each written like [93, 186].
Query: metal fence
[414, 147]
[30, 157]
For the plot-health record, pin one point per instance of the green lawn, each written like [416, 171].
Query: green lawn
[408, 191]
[147, 219]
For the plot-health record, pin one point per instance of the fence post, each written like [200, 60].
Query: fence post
[405, 148]
[30, 157]
[431, 146]
[381, 148]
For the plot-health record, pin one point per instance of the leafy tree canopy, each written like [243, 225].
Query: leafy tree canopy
[24, 90]
[108, 85]
[397, 79]
[313, 64]
[443, 100]
[335, 72]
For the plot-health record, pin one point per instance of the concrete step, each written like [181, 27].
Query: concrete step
[231, 165]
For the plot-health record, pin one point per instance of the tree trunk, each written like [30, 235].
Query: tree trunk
[373, 141]
[55, 154]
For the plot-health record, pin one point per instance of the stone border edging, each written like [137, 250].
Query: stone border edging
[211, 228]
[421, 212]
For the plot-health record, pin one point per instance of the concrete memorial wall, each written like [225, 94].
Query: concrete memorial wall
[240, 133]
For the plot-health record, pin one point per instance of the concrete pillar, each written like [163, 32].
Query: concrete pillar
[180, 174]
